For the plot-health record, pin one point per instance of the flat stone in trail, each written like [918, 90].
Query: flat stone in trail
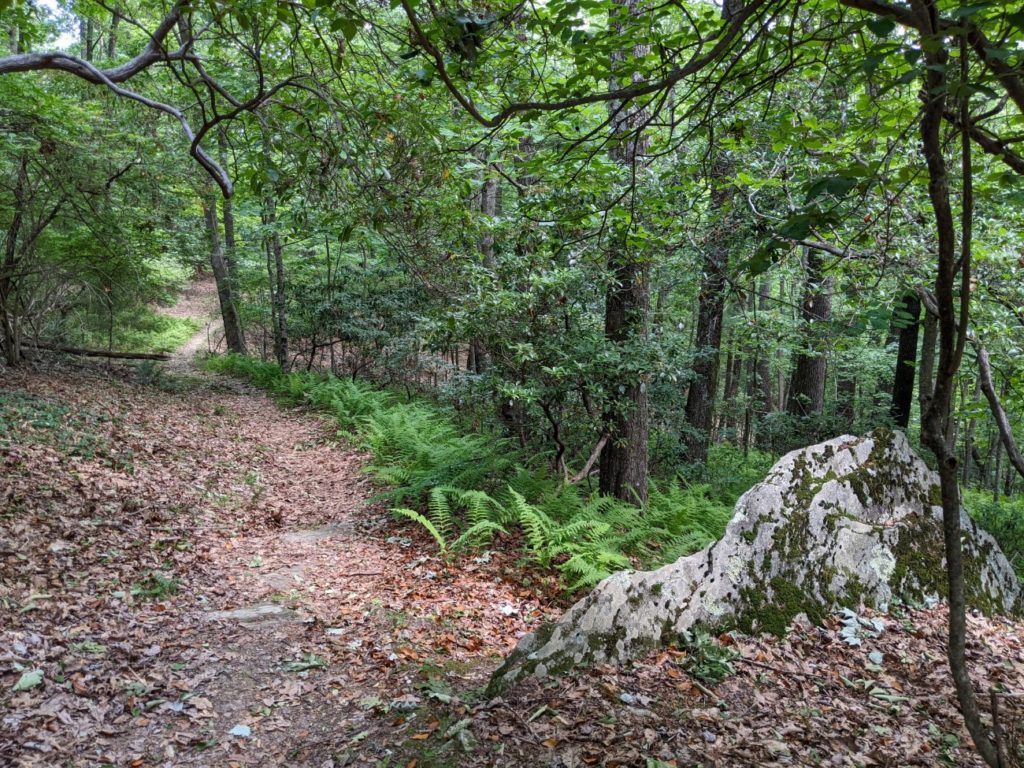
[329, 531]
[264, 612]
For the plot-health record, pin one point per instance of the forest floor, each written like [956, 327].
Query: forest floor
[192, 575]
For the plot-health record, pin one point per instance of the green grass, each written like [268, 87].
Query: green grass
[138, 330]
[465, 487]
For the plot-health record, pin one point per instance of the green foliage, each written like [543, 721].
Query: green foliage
[706, 658]
[463, 487]
[1004, 519]
[416, 448]
[729, 472]
[154, 586]
[136, 329]
[27, 419]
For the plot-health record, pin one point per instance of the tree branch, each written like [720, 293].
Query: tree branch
[111, 78]
[151, 54]
[727, 36]
[1002, 422]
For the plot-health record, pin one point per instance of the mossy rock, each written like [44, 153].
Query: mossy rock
[847, 522]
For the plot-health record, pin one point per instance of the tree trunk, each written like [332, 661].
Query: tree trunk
[846, 395]
[969, 436]
[90, 39]
[764, 368]
[952, 339]
[624, 458]
[807, 388]
[11, 331]
[905, 321]
[728, 420]
[225, 295]
[489, 208]
[115, 21]
[627, 315]
[700, 399]
[276, 283]
[926, 369]
[230, 249]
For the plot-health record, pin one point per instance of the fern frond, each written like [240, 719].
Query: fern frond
[416, 517]
[440, 510]
[476, 534]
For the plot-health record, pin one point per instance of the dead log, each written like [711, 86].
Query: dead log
[97, 352]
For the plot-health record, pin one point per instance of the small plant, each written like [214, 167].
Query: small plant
[306, 663]
[858, 628]
[154, 586]
[474, 534]
[706, 659]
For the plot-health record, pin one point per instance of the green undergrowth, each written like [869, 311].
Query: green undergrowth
[27, 419]
[465, 487]
[137, 330]
[1004, 519]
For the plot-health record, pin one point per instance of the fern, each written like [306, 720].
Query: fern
[416, 517]
[476, 535]
[441, 511]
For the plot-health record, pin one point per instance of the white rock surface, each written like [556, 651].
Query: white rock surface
[849, 521]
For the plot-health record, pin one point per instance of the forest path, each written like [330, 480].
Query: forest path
[218, 588]
[198, 302]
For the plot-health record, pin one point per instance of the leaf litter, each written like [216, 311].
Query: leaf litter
[198, 496]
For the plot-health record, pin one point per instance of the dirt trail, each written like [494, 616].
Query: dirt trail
[198, 302]
[298, 626]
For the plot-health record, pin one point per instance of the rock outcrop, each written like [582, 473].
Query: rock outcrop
[850, 521]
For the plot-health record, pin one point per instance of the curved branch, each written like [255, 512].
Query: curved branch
[728, 36]
[111, 78]
[211, 166]
[57, 60]
[988, 143]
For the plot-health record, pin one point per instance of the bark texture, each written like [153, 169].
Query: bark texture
[627, 316]
[847, 521]
[807, 388]
[225, 290]
[700, 398]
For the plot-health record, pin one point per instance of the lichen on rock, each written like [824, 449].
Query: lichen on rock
[846, 522]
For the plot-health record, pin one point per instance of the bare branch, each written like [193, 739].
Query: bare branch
[1005, 432]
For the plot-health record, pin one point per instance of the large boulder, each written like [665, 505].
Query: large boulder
[850, 521]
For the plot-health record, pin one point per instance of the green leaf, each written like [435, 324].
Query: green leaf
[836, 186]
[882, 27]
[29, 680]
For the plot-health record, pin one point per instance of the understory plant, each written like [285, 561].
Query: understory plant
[466, 487]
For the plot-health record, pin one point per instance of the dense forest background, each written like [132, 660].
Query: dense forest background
[599, 255]
[719, 265]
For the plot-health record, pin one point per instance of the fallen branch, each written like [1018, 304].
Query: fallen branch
[590, 462]
[98, 352]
